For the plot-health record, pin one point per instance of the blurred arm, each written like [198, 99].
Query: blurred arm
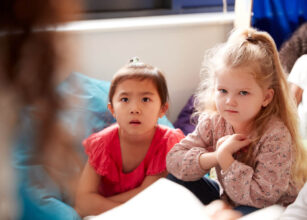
[297, 92]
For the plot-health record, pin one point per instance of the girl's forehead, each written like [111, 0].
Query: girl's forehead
[235, 72]
[135, 84]
[236, 77]
[136, 81]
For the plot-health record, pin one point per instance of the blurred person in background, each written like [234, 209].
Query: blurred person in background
[293, 58]
[293, 48]
[31, 61]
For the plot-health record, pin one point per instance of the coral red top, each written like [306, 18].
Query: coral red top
[103, 150]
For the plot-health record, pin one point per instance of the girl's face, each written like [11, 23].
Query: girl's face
[137, 106]
[239, 98]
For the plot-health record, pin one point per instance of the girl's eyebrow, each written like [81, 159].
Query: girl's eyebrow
[225, 86]
[246, 88]
[147, 93]
[142, 93]
[123, 93]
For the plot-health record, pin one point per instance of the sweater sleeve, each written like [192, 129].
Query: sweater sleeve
[183, 159]
[263, 184]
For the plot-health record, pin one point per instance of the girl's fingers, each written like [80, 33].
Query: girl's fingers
[240, 144]
[222, 140]
[236, 142]
[239, 137]
[245, 142]
[232, 143]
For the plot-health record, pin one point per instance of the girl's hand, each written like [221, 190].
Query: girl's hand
[232, 143]
[221, 141]
[227, 146]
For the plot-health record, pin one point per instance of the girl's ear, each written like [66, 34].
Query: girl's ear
[111, 109]
[163, 110]
[268, 97]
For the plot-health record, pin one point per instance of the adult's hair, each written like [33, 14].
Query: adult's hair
[29, 55]
[249, 47]
[293, 48]
[140, 71]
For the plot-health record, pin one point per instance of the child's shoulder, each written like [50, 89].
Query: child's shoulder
[98, 147]
[106, 135]
[212, 120]
[276, 137]
[168, 132]
[275, 125]
[110, 130]
[277, 128]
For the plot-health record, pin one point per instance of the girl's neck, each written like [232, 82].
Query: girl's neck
[136, 139]
[134, 148]
[242, 129]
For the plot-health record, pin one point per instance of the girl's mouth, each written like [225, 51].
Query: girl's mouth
[135, 122]
[231, 111]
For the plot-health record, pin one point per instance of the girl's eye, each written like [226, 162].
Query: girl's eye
[145, 99]
[124, 99]
[222, 90]
[244, 93]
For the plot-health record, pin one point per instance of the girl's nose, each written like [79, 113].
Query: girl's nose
[135, 109]
[231, 101]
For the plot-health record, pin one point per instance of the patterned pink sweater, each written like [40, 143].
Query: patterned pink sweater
[268, 182]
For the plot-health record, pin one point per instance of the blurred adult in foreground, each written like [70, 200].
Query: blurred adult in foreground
[31, 58]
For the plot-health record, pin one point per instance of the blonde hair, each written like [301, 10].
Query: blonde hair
[258, 50]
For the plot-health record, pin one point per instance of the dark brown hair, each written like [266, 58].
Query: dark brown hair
[29, 57]
[293, 48]
[141, 71]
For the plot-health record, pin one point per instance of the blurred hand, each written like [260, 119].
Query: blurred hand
[296, 92]
[219, 210]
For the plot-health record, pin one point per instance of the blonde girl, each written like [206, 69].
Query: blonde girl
[247, 128]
